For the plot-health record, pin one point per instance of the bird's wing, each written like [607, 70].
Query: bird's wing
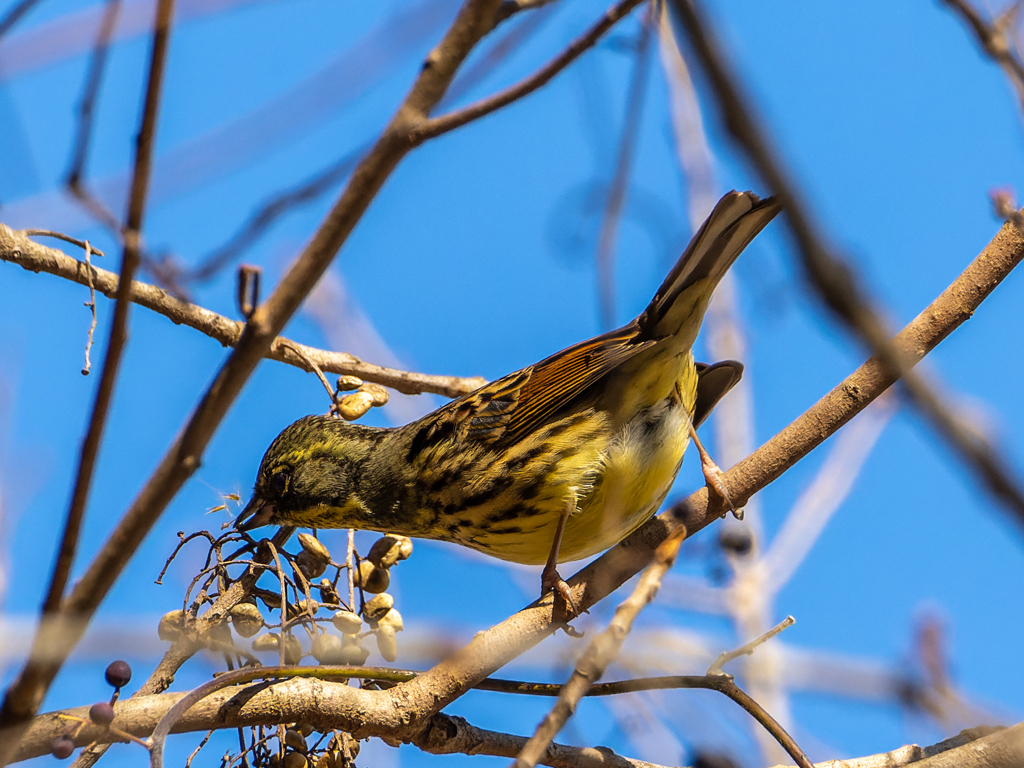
[505, 410]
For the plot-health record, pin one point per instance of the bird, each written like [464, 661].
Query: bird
[552, 463]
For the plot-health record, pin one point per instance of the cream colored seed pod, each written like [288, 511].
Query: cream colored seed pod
[378, 606]
[347, 622]
[308, 605]
[312, 567]
[371, 578]
[304, 728]
[292, 650]
[377, 392]
[315, 547]
[353, 406]
[171, 625]
[268, 642]
[405, 547]
[392, 619]
[348, 382]
[387, 644]
[388, 550]
[327, 649]
[246, 619]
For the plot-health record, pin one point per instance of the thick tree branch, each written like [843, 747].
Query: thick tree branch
[16, 248]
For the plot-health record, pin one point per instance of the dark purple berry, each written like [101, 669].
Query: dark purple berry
[119, 673]
[101, 713]
[62, 747]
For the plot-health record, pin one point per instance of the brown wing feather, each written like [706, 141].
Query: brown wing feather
[505, 410]
[558, 383]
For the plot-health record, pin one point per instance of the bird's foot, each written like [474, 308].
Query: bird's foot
[550, 581]
[713, 477]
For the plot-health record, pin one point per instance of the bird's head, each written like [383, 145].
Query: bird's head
[308, 475]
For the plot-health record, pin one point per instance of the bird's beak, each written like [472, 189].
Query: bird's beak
[258, 512]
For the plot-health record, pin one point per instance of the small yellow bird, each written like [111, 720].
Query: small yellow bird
[552, 463]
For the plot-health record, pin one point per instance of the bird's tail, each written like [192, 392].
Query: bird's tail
[678, 307]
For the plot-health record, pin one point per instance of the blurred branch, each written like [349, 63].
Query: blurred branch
[620, 181]
[268, 213]
[981, 747]
[834, 280]
[83, 133]
[994, 40]
[13, 16]
[449, 735]
[474, 20]
[16, 248]
[21, 700]
[435, 126]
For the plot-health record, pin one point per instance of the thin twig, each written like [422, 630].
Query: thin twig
[14, 15]
[83, 133]
[312, 367]
[61, 236]
[18, 249]
[443, 124]
[836, 284]
[91, 304]
[747, 649]
[616, 200]
[20, 700]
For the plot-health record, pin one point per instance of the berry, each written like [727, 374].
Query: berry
[118, 673]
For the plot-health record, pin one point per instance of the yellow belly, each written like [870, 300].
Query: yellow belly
[627, 478]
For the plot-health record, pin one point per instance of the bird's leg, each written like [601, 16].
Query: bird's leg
[549, 578]
[713, 475]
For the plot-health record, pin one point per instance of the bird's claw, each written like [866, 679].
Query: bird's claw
[550, 581]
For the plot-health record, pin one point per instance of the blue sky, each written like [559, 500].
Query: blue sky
[895, 127]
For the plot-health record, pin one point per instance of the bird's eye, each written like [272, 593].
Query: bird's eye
[279, 481]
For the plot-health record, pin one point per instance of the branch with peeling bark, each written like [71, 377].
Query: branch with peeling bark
[17, 248]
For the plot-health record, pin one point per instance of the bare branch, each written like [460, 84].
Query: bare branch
[83, 133]
[445, 123]
[18, 249]
[616, 200]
